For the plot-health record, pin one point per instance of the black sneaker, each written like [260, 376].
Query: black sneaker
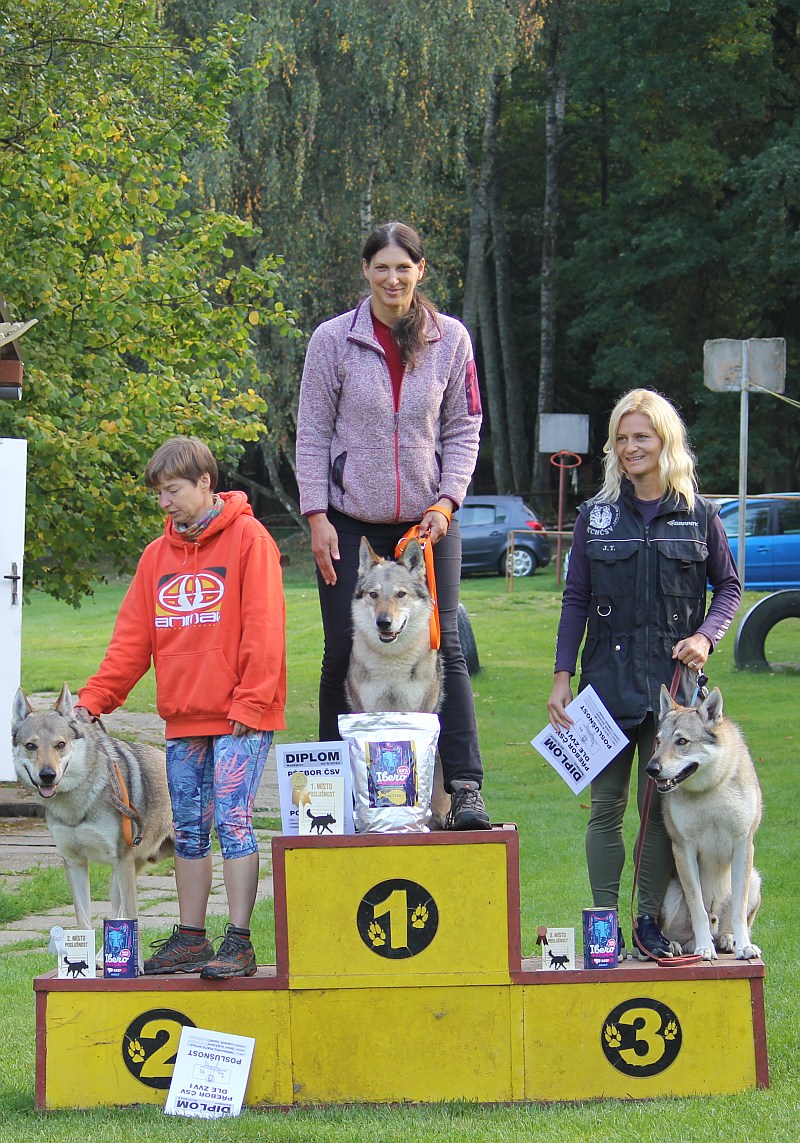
[649, 937]
[236, 957]
[179, 952]
[467, 810]
[622, 952]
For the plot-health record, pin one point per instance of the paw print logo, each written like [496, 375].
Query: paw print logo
[641, 1037]
[136, 1052]
[419, 918]
[376, 935]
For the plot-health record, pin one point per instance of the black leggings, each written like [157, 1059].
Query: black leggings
[458, 740]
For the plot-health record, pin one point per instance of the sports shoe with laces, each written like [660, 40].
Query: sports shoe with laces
[467, 810]
[179, 952]
[622, 952]
[236, 957]
[649, 936]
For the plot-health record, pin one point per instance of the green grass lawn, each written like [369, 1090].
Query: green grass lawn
[515, 635]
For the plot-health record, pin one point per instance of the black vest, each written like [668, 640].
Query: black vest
[648, 588]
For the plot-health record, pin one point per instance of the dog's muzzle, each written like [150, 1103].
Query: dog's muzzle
[664, 785]
[387, 636]
[45, 783]
[46, 786]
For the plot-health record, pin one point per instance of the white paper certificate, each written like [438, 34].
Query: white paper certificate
[593, 740]
[211, 1073]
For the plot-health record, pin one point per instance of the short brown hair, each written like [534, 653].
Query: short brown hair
[181, 458]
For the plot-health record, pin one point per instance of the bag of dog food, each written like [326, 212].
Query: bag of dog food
[392, 757]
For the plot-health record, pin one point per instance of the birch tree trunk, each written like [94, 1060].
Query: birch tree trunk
[479, 214]
[493, 387]
[514, 392]
[556, 92]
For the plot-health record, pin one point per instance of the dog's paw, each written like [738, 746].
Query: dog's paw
[749, 952]
[707, 952]
[725, 942]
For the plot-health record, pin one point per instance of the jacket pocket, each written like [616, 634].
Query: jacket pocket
[613, 579]
[337, 470]
[197, 683]
[682, 568]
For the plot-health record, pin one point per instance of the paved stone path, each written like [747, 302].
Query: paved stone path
[26, 843]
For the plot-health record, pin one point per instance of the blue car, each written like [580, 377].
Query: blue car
[772, 535]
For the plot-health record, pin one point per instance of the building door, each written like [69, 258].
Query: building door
[13, 455]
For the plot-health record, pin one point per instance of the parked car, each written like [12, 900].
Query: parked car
[772, 535]
[486, 522]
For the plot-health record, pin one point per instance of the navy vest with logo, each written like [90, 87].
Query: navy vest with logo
[648, 586]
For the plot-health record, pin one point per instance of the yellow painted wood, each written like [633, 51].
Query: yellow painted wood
[87, 1040]
[325, 887]
[384, 1045]
[487, 1043]
[446, 1023]
[565, 1027]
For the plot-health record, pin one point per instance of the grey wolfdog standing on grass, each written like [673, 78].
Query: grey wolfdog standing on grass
[67, 763]
[712, 808]
[392, 664]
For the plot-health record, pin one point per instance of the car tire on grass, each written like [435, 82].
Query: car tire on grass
[525, 562]
[467, 639]
[749, 647]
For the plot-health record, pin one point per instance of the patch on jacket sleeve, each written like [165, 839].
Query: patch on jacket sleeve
[472, 390]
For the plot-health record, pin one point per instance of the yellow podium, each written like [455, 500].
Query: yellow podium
[399, 977]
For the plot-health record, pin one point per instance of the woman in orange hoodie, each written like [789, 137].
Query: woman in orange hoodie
[206, 607]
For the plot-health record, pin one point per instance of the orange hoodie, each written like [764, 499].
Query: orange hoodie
[211, 616]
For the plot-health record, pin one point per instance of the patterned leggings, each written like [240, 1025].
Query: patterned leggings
[215, 779]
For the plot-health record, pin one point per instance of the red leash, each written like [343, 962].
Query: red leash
[663, 961]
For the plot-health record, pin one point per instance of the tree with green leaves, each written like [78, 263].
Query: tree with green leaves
[370, 112]
[146, 318]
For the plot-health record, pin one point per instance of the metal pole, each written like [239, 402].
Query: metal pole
[743, 435]
[560, 520]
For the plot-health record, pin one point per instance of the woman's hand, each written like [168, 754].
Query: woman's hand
[693, 652]
[560, 697]
[324, 545]
[435, 522]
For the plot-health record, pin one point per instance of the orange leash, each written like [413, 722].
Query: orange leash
[427, 552]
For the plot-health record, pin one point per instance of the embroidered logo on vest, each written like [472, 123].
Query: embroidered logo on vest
[602, 519]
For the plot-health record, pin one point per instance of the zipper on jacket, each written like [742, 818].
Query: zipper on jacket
[397, 440]
[650, 603]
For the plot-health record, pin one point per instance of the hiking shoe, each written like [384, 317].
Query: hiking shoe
[648, 935]
[236, 957]
[467, 810]
[179, 952]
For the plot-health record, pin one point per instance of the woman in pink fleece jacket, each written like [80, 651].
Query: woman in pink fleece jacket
[387, 437]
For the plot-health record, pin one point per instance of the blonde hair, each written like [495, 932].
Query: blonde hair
[676, 462]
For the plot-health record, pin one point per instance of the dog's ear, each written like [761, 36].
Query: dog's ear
[412, 558]
[20, 709]
[711, 708]
[366, 557]
[666, 703]
[64, 703]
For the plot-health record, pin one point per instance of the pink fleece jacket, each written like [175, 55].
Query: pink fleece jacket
[355, 453]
